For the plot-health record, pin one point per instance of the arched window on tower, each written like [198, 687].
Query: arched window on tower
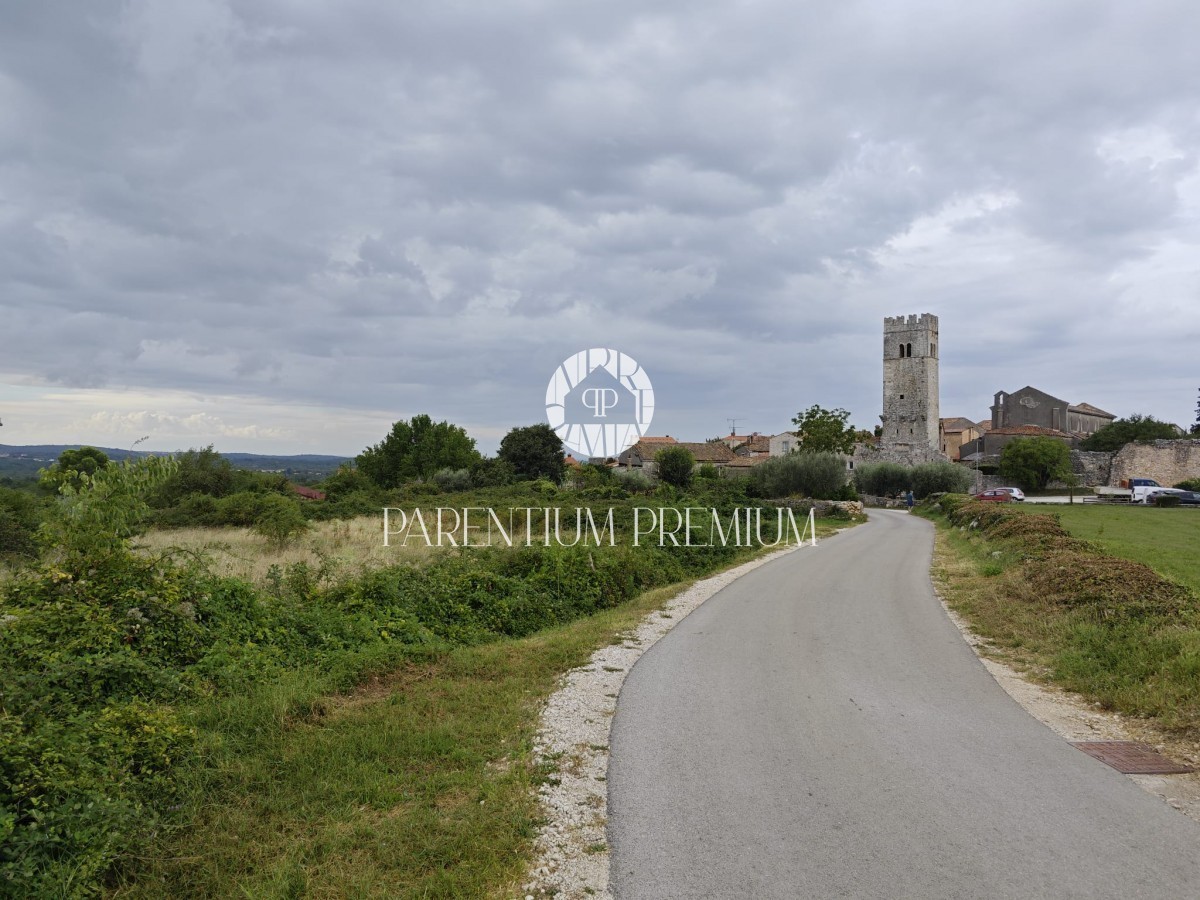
[908, 349]
[901, 351]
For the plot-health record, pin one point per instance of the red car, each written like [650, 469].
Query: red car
[996, 495]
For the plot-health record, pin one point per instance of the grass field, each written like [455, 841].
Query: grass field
[1167, 540]
[341, 546]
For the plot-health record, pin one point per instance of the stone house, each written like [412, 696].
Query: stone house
[641, 455]
[782, 444]
[955, 432]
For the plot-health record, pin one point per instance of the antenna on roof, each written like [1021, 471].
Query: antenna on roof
[732, 426]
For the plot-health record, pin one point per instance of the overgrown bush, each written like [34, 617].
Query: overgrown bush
[453, 479]
[280, 520]
[940, 477]
[882, 479]
[635, 481]
[817, 475]
[675, 466]
[20, 516]
[1192, 484]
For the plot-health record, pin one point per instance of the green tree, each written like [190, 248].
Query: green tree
[534, 451]
[70, 466]
[203, 471]
[821, 476]
[96, 516]
[674, 466]
[946, 477]
[1033, 461]
[416, 449]
[883, 479]
[824, 430]
[1137, 427]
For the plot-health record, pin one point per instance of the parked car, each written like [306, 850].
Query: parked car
[1186, 498]
[996, 495]
[1017, 493]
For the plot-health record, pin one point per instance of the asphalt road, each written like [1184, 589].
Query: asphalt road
[820, 729]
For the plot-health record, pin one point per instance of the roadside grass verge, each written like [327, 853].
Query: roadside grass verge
[418, 784]
[1111, 629]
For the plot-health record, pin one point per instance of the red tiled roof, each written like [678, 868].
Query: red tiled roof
[666, 439]
[308, 493]
[708, 451]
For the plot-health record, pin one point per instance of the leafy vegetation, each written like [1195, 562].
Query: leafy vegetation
[1032, 462]
[883, 479]
[534, 452]
[887, 479]
[1137, 427]
[71, 466]
[821, 476]
[823, 430]
[940, 477]
[141, 687]
[416, 449]
[675, 466]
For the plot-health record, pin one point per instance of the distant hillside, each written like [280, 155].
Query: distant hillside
[23, 462]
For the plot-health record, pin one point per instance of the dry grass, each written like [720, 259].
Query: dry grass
[352, 545]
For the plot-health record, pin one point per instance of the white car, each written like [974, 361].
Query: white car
[1017, 493]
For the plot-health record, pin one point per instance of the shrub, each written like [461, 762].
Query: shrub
[280, 520]
[817, 475]
[675, 466]
[633, 480]
[882, 479]
[20, 516]
[1166, 500]
[708, 472]
[940, 477]
[1192, 484]
[453, 479]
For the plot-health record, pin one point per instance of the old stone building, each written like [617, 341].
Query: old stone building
[1029, 406]
[910, 390]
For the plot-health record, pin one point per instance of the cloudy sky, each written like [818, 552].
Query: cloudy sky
[281, 226]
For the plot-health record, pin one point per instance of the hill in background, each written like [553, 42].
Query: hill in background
[23, 462]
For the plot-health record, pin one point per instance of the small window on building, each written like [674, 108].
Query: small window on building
[901, 351]
[901, 396]
[908, 349]
[933, 349]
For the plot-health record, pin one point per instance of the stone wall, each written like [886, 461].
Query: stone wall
[1092, 468]
[1167, 462]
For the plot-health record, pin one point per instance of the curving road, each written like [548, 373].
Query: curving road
[820, 729]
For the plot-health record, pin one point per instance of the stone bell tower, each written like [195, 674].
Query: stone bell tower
[910, 388]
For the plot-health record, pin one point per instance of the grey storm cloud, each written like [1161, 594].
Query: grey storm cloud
[424, 207]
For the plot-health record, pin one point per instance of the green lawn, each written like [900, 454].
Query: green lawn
[1167, 540]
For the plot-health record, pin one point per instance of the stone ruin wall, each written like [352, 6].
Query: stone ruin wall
[1167, 462]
